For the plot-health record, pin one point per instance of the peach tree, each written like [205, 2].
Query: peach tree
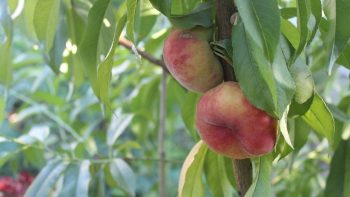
[163, 98]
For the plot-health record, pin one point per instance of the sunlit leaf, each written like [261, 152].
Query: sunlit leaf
[117, 127]
[104, 69]
[319, 118]
[46, 17]
[284, 128]
[46, 179]
[190, 181]
[89, 45]
[5, 44]
[131, 11]
[83, 181]
[123, 176]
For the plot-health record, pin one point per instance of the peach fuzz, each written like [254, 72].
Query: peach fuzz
[233, 127]
[190, 60]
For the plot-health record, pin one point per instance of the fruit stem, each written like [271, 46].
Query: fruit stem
[224, 10]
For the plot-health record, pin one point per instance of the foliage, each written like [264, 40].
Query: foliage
[82, 112]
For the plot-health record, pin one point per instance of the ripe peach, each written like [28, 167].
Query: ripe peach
[191, 61]
[231, 126]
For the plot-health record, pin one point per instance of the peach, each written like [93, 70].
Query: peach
[233, 127]
[190, 60]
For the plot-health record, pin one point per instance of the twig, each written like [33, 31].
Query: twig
[224, 11]
[129, 45]
[161, 135]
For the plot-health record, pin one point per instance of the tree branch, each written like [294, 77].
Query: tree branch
[161, 135]
[224, 11]
[129, 45]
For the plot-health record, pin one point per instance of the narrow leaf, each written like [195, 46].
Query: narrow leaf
[46, 179]
[319, 118]
[104, 70]
[190, 181]
[261, 185]
[89, 46]
[188, 110]
[118, 126]
[123, 176]
[131, 11]
[46, 16]
[5, 44]
[70, 178]
[284, 128]
[342, 34]
[216, 175]
[262, 21]
[338, 181]
[303, 80]
[83, 181]
[268, 86]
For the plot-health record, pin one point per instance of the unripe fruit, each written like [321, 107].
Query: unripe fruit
[231, 126]
[190, 60]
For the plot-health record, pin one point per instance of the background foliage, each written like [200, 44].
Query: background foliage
[81, 113]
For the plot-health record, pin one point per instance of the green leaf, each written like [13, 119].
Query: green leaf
[89, 45]
[104, 70]
[269, 87]
[262, 22]
[131, 11]
[261, 186]
[319, 118]
[338, 181]
[301, 134]
[342, 32]
[46, 17]
[117, 127]
[145, 20]
[190, 181]
[54, 56]
[5, 44]
[216, 175]
[188, 111]
[344, 58]
[70, 179]
[200, 16]
[288, 12]
[328, 32]
[290, 32]
[84, 178]
[309, 16]
[123, 176]
[283, 127]
[46, 179]
[303, 81]
[2, 108]
[8, 149]
[164, 6]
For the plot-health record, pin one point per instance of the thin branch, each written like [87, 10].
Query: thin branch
[224, 10]
[129, 45]
[161, 135]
